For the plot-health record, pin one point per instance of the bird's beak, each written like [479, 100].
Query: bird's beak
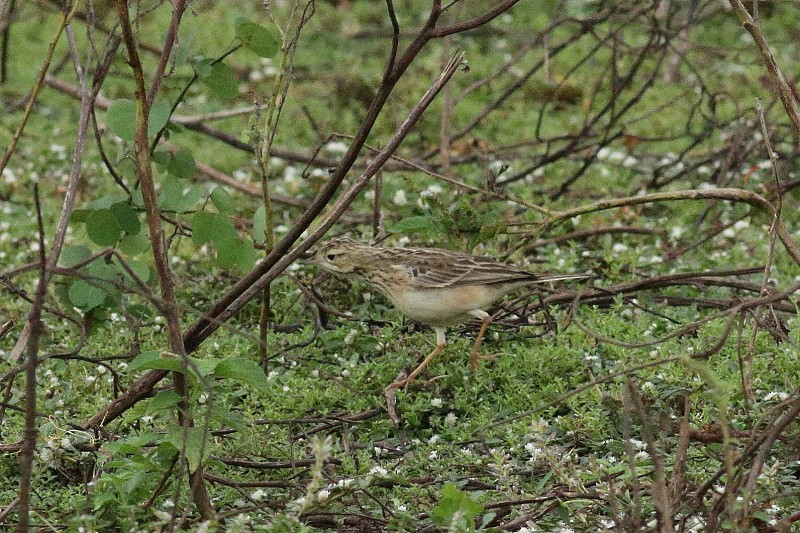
[307, 259]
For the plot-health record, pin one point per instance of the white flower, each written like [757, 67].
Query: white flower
[776, 394]
[323, 495]
[436, 402]
[378, 471]
[258, 494]
[339, 148]
[351, 335]
[399, 197]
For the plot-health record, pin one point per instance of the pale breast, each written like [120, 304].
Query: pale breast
[445, 306]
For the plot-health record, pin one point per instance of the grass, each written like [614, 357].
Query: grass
[548, 435]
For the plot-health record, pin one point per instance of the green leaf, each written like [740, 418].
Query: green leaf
[417, 224]
[102, 228]
[264, 42]
[183, 165]
[179, 164]
[72, 255]
[190, 198]
[133, 245]
[139, 312]
[141, 270]
[152, 360]
[243, 370]
[166, 399]
[211, 227]
[202, 66]
[221, 81]
[235, 253]
[259, 225]
[190, 440]
[221, 413]
[126, 218]
[454, 501]
[85, 296]
[204, 367]
[158, 117]
[247, 258]
[170, 194]
[173, 198]
[105, 202]
[121, 118]
[223, 201]
[80, 216]
[187, 33]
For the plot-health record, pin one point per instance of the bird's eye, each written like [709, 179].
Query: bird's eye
[331, 257]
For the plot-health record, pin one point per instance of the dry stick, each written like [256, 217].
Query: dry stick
[494, 194]
[727, 194]
[378, 231]
[33, 326]
[195, 123]
[279, 89]
[789, 101]
[445, 123]
[12, 146]
[633, 518]
[773, 157]
[278, 260]
[169, 41]
[168, 305]
[678, 478]
[660, 493]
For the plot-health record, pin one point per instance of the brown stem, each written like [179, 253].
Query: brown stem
[168, 305]
[788, 99]
[172, 34]
[35, 330]
[12, 146]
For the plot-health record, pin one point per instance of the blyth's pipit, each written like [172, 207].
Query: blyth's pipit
[439, 288]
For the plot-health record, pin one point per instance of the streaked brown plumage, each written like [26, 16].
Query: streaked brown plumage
[436, 287]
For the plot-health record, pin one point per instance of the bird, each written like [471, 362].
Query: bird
[437, 287]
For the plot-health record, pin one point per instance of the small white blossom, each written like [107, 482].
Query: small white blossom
[400, 198]
[378, 470]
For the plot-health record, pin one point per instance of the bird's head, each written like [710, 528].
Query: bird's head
[340, 256]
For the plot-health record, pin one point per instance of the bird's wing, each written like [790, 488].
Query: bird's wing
[432, 270]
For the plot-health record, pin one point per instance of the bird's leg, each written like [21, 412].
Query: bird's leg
[486, 319]
[440, 342]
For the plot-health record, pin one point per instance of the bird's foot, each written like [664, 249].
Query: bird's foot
[402, 381]
[390, 394]
[475, 357]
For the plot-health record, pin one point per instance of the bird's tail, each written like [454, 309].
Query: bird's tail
[545, 278]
